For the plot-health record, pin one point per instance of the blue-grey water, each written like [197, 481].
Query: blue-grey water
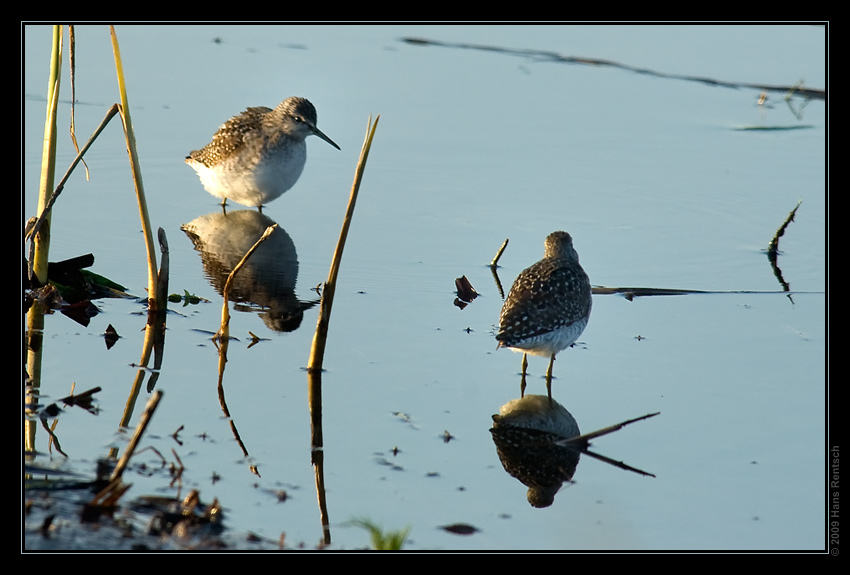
[664, 181]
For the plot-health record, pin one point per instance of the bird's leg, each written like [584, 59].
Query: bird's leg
[549, 376]
[522, 382]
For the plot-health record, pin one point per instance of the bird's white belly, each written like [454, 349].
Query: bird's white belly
[257, 184]
[552, 342]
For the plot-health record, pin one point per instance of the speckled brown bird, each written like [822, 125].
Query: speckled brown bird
[256, 156]
[548, 306]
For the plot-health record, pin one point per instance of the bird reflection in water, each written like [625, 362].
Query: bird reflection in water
[269, 276]
[539, 443]
[526, 432]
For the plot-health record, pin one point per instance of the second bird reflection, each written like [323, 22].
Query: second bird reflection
[526, 433]
[539, 443]
[269, 276]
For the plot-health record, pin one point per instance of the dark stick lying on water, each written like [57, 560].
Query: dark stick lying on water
[549, 56]
[773, 246]
[582, 443]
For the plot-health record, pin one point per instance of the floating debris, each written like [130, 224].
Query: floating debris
[187, 298]
[255, 339]
[84, 400]
[460, 528]
[110, 336]
[465, 292]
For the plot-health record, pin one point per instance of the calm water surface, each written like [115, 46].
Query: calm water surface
[663, 183]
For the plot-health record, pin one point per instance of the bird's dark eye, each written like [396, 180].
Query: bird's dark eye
[299, 119]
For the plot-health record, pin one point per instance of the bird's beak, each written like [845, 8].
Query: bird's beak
[321, 134]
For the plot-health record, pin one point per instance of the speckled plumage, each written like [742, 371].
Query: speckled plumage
[256, 156]
[549, 304]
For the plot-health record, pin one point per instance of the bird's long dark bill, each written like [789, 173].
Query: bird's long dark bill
[319, 133]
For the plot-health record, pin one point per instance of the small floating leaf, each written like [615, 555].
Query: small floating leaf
[110, 336]
[187, 298]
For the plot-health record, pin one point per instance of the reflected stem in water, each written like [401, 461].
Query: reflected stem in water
[35, 342]
[154, 342]
[317, 456]
[222, 339]
[222, 346]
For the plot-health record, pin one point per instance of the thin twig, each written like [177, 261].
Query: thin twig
[150, 408]
[494, 265]
[607, 430]
[317, 350]
[32, 229]
[495, 261]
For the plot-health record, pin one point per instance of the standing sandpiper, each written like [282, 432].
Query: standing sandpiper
[256, 156]
[548, 306]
